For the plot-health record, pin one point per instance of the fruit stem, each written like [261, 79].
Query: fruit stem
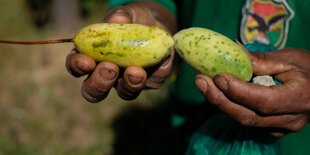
[67, 40]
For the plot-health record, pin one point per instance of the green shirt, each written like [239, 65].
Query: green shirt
[226, 17]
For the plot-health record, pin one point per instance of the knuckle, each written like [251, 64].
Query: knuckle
[217, 100]
[100, 87]
[266, 106]
[155, 82]
[94, 92]
[92, 98]
[250, 120]
[133, 87]
[265, 109]
[126, 93]
[101, 90]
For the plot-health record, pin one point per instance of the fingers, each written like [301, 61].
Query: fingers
[96, 87]
[290, 76]
[261, 99]
[250, 95]
[79, 64]
[269, 64]
[132, 83]
[216, 97]
[244, 115]
[128, 85]
[158, 77]
[282, 123]
[280, 109]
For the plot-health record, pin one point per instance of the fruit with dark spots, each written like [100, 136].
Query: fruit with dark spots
[219, 52]
[124, 44]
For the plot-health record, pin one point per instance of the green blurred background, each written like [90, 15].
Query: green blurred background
[41, 109]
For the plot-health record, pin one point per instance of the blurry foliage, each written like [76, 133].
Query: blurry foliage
[40, 10]
[89, 6]
[38, 4]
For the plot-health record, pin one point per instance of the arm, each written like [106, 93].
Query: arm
[130, 81]
[280, 108]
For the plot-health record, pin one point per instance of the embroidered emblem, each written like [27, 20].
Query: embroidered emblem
[266, 21]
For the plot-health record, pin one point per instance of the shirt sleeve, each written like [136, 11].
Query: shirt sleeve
[168, 4]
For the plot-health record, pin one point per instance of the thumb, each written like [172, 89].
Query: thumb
[265, 63]
[268, 64]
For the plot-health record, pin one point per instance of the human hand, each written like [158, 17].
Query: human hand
[280, 109]
[130, 81]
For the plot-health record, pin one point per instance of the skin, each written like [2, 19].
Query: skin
[130, 81]
[279, 109]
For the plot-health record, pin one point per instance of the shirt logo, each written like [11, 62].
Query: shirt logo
[266, 21]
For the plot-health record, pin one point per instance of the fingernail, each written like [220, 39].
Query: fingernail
[107, 74]
[90, 98]
[135, 80]
[201, 84]
[221, 82]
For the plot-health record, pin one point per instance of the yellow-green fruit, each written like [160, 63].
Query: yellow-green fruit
[212, 53]
[124, 44]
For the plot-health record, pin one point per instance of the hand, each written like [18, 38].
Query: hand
[281, 109]
[130, 81]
